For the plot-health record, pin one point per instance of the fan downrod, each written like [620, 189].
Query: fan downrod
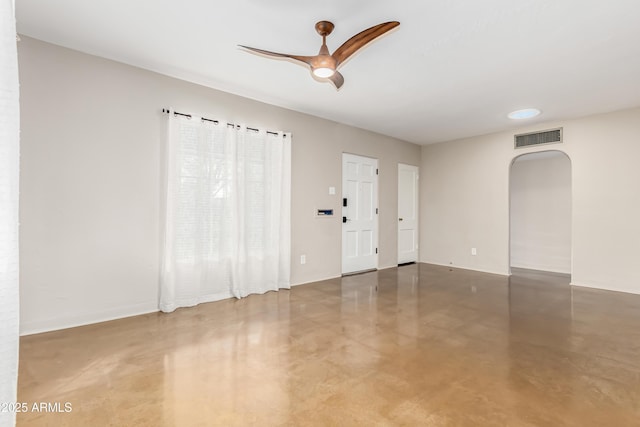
[324, 28]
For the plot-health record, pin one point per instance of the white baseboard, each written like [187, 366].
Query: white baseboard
[461, 267]
[549, 269]
[389, 266]
[336, 277]
[64, 322]
[605, 288]
[314, 280]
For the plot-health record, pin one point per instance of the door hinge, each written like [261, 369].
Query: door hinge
[376, 250]
[376, 171]
[376, 211]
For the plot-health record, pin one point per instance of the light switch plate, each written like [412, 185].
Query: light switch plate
[332, 190]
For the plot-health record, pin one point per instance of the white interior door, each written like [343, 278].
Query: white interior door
[359, 213]
[407, 213]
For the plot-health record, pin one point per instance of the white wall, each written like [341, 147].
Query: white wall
[90, 183]
[9, 219]
[540, 212]
[465, 199]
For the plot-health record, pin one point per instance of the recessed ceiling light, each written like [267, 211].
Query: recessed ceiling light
[527, 113]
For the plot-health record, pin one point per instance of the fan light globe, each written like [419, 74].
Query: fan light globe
[323, 72]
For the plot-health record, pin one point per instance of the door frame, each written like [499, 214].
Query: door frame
[376, 225]
[416, 197]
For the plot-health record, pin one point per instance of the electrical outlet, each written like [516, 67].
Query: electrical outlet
[303, 259]
[474, 251]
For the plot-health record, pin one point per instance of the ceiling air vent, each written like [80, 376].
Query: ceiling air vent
[552, 136]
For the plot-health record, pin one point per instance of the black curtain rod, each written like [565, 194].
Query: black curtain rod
[175, 113]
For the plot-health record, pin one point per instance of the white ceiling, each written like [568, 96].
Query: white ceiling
[453, 69]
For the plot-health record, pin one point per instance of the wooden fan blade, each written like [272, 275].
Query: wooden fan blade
[305, 59]
[358, 41]
[337, 79]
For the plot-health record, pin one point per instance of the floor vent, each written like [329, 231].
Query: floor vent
[406, 263]
[552, 136]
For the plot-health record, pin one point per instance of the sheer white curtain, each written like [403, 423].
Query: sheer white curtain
[9, 175]
[227, 222]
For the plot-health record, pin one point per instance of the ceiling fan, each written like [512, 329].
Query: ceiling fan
[323, 64]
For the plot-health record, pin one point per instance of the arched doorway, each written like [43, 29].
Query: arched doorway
[540, 212]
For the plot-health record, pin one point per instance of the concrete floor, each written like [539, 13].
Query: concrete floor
[415, 345]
